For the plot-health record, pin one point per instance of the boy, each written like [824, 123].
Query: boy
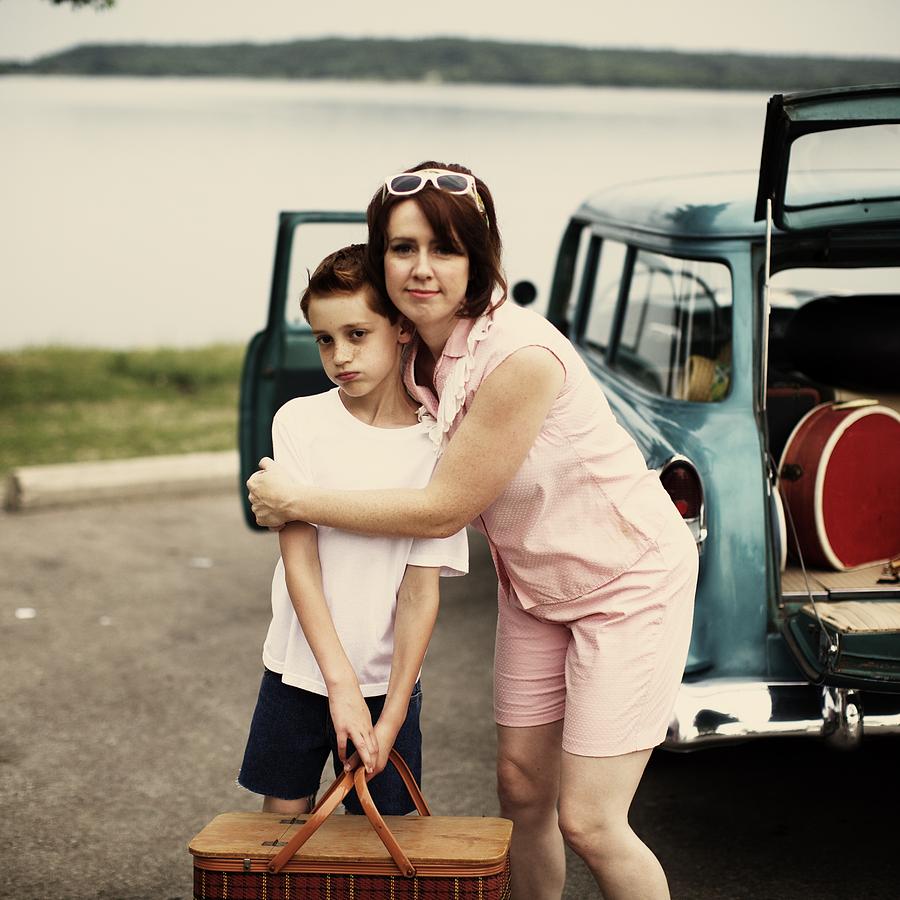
[352, 615]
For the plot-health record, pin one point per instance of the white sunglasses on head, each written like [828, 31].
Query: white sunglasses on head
[405, 184]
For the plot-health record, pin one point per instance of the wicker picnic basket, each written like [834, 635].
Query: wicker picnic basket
[251, 856]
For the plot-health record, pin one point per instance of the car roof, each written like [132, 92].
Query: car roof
[716, 205]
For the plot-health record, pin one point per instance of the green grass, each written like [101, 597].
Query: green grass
[60, 404]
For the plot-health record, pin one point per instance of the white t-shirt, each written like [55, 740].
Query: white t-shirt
[319, 442]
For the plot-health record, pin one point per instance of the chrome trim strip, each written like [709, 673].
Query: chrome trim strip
[714, 712]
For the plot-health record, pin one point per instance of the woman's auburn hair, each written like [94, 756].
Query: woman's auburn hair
[456, 221]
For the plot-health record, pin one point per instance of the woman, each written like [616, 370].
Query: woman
[596, 569]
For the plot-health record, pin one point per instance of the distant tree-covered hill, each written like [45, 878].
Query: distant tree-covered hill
[459, 60]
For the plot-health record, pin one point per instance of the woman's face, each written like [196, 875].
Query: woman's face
[425, 278]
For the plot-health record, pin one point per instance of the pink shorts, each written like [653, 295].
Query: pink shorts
[609, 663]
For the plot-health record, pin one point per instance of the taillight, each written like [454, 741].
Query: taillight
[682, 483]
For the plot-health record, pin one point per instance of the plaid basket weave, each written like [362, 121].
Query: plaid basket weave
[211, 885]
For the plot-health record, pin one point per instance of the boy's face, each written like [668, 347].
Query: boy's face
[359, 348]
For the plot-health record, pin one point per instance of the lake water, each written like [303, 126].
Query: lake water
[142, 212]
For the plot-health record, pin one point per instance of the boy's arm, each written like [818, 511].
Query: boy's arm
[303, 574]
[417, 608]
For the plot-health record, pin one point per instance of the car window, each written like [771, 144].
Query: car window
[841, 175]
[676, 330]
[605, 292]
[312, 242]
[579, 273]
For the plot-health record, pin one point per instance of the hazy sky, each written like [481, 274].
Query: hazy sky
[30, 28]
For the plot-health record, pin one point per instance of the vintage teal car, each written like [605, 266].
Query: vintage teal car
[718, 313]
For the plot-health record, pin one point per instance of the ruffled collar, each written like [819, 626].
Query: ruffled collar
[460, 348]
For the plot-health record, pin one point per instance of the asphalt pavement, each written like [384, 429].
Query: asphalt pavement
[131, 635]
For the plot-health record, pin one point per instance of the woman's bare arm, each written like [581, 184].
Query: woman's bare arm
[485, 452]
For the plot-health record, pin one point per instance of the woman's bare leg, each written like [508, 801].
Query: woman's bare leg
[528, 786]
[595, 796]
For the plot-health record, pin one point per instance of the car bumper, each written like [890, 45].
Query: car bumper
[709, 713]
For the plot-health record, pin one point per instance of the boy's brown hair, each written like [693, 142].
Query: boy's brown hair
[344, 272]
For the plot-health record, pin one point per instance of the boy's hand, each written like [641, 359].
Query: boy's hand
[352, 721]
[386, 733]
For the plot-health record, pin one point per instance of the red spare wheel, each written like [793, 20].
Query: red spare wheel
[840, 480]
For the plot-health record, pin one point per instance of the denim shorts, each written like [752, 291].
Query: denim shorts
[291, 737]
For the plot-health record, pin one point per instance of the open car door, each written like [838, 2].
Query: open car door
[282, 360]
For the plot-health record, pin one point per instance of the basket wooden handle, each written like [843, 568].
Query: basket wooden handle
[336, 792]
[381, 829]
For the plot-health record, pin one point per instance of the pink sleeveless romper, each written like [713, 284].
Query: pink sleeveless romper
[596, 569]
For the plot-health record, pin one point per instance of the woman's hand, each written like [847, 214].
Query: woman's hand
[352, 721]
[270, 492]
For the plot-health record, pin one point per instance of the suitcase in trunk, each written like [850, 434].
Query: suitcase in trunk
[786, 405]
[840, 482]
[245, 856]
